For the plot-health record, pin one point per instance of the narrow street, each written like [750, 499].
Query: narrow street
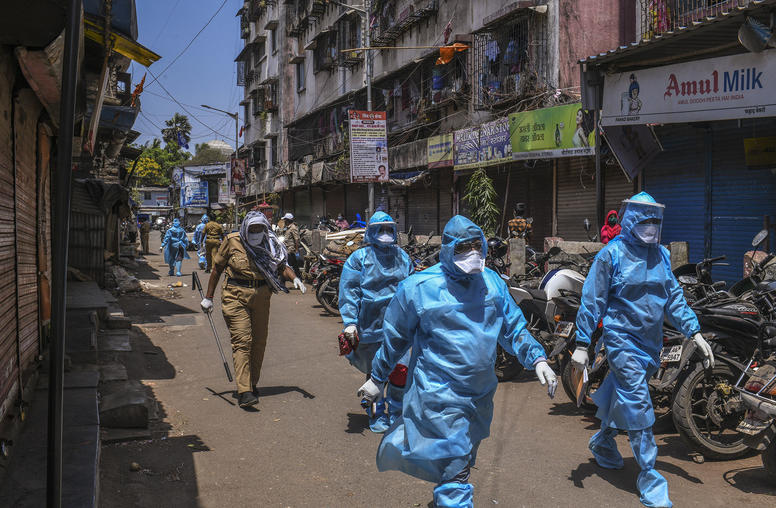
[307, 446]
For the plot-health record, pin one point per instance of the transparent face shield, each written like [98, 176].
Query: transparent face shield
[644, 219]
[383, 232]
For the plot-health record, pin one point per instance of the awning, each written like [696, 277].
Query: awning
[121, 44]
[245, 51]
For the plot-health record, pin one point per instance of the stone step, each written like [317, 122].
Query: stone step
[124, 404]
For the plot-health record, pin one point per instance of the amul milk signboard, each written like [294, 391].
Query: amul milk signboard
[368, 146]
[724, 88]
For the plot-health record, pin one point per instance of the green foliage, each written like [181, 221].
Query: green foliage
[481, 199]
[155, 165]
[206, 154]
[178, 123]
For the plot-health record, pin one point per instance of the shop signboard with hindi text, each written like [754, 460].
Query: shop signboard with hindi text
[549, 133]
[440, 151]
[368, 146]
[466, 152]
[722, 88]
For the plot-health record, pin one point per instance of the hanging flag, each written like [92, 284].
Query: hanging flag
[242, 129]
[448, 30]
[138, 91]
[446, 53]
[182, 141]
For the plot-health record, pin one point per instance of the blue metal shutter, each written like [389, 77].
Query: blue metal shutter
[676, 178]
[741, 197]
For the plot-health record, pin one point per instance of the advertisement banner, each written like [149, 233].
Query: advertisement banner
[467, 148]
[560, 131]
[440, 151]
[162, 201]
[495, 143]
[723, 88]
[194, 194]
[238, 177]
[223, 191]
[368, 146]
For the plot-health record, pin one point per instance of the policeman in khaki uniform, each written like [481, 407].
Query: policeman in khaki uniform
[213, 235]
[253, 258]
[145, 231]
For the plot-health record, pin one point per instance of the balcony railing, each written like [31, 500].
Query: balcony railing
[660, 17]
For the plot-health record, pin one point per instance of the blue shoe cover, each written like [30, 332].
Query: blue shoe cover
[454, 495]
[604, 449]
[653, 488]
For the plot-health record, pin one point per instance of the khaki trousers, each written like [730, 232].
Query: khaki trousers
[144, 242]
[246, 312]
[211, 246]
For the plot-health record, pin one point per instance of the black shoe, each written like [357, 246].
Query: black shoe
[247, 399]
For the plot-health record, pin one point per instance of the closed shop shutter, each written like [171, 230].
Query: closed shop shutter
[741, 197]
[422, 206]
[44, 223]
[397, 207]
[8, 365]
[357, 201]
[532, 186]
[302, 207]
[27, 110]
[445, 179]
[576, 195]
[676, 178]
[335, 201]
[86, 250]
[317, 206]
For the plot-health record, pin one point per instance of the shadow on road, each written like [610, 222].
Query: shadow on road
[625, 478]
[357, 423]
[152, 306]
[223, 395]
[268, 391]
[752, 480]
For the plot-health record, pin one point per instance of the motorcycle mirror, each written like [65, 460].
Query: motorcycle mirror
[587, 224]
[350, 243]
[759, 238]
[554, 251]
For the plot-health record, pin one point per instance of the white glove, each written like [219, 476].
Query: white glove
[547, 377]
[299, 285]
[350, 331]
[580, 360]
[369, 391]
[704, 349]
[207, 305]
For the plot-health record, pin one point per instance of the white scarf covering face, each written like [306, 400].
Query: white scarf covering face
[269, 254]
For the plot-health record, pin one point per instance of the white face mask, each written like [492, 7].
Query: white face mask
[255, 239]
[385, 238]
[470, 262]
[647, 233]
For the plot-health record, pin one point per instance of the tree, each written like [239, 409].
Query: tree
[155, 165]
[481, 198]
[206, 154]
[178, 123]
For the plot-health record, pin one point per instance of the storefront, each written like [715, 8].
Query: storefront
[713, 119]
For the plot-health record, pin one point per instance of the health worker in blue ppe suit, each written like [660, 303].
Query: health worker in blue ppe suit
[452, 316]
[174, 246]
[368, 282]
[199, 241]
[631, 289]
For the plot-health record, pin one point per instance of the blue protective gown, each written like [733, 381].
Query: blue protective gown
[199, 232]
[452, 321]
[630, 287]
[175, 238]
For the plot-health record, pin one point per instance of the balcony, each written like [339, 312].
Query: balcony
[658, 17]
[392, 25]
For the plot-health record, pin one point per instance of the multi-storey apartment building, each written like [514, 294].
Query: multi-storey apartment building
[305, 67]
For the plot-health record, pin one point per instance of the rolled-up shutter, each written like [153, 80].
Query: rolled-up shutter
[302, 208]
[27, 109]
[316, 206]
[422, 207]
[397, 207]
[335, 201]
[445, 191]
[357, 201]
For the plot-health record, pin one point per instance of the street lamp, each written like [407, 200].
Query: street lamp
[236, 118]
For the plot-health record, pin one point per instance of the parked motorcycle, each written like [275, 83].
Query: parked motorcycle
[326, 284]
[759, 397]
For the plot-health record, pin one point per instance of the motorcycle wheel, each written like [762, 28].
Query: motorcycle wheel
[568, 387]
[507, 366]
[699, 414]
[769, 461]
[328, 295]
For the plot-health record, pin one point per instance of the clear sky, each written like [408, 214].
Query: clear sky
[204, 74]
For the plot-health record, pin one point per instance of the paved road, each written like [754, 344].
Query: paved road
[307, 446]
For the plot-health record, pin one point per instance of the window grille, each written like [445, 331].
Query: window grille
[662, 16]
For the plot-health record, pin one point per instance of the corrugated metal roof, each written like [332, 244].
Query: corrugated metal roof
[716, 36]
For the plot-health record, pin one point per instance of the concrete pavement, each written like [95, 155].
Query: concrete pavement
[307, 444]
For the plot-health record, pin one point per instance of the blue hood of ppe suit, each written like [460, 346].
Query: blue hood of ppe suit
[378, 220]
[369, 280]
[452, 322]
[630, 289]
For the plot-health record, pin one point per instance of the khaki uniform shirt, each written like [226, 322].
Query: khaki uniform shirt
[232, 256]
[214, 231]
[145, 228]
[292, 239]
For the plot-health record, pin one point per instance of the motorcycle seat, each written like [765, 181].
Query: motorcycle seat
[537, 294]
